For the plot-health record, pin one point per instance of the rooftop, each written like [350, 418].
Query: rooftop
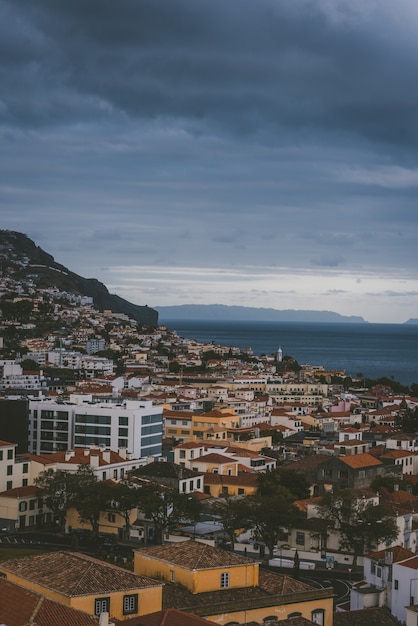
[74, 574]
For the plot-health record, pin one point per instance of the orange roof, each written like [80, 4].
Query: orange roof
[19, 606]
[360, 460]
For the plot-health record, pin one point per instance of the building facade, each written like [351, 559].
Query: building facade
[80, 423]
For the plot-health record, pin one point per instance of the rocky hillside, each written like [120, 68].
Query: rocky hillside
[21, 257]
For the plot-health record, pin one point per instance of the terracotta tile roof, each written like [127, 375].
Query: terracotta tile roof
[80, 458]
[396, 454]
[167, 617]
[21, 607]
[21, 492]
[75, 574]
[213, 457]
[398, 554]
[194, 555]
[360, 460]
[365, 617]
[303, 504]
[412, 562]
[6, 443]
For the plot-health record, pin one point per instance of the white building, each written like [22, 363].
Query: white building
[132, 424]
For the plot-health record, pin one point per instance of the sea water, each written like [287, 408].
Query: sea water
[374, 350]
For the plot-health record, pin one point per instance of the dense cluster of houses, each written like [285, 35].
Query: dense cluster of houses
[205, 420]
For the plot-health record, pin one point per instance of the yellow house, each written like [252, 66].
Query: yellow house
[188, 425]
[23, 507]
[218, 485]
[228, 588]
[111, 522]
[84, 583]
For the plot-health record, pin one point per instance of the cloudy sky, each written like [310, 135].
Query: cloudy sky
[248, 152]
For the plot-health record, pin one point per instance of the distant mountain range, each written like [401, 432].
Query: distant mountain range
[242, 313]
[51, 274]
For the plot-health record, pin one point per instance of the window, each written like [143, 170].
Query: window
[101, 605]
[241, 491]
[172, 575]
[25, 468]
[9, 470]
[9, 484]
[32, 504]
[24, 482]
[300, 538]
[130, 604]
[224, 580]
[396, 583]
[318, 616]
[296, 614]
[1, 455]
[23, 506]
[182, 454]
[224, 491]
[10, 454]
[111, 517]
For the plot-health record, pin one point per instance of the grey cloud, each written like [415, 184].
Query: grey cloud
[241, 67]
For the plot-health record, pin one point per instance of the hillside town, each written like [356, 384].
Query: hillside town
[192, 483]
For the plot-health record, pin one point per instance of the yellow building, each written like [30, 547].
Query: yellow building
[225, 587]
[84, 583]
[218, 485]
[189, 426]
[111, 522]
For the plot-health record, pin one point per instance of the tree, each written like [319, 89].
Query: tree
[273, 516]
[361, 524]
[234, 513]
[409, 421]
[296, 566]
[57, 490]
[29, 365]
[124, 500]
[388, 482]
[272, 480]
[90, 497]
[163, 506]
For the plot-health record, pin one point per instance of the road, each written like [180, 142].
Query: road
[341, 587]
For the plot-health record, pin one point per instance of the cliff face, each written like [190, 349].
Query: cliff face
[52, 274]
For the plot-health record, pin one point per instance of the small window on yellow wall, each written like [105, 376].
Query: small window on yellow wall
[318, 616]
[130, 604]
[224, 580]
[101, 605]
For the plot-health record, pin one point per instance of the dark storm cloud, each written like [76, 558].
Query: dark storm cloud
[241, 66]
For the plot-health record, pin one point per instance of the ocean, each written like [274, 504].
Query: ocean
[374, 350]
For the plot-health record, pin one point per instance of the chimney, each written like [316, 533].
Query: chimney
[104, 620]
[106, 456]
[94, 460]
[69, 455]
[122, 452]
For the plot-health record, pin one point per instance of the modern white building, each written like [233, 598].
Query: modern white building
[134, 425]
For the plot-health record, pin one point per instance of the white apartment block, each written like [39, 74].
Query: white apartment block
[133, 425]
